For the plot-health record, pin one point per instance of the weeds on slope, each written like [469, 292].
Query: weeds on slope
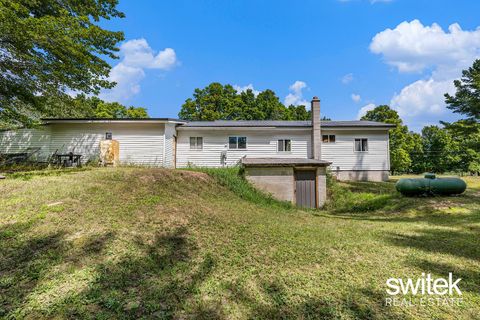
[233, 179]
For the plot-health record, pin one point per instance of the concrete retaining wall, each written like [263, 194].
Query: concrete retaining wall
[277, 181]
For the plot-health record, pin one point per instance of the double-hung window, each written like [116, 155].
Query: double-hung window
[284, 145]
[361, 145]
[196, 143]
[328, 138]
[237, 142]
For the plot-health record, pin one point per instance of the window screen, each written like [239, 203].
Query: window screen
[284, 145]
[361, 145]
[196, 143]
[232, 142]
[242, 142]
[328, 138]
[237, 142]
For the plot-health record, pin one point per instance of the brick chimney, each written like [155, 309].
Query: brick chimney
[316, 130]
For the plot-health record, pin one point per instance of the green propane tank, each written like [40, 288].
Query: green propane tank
[430, 185]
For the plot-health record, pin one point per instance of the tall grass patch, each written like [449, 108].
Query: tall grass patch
[233, 179]
[362, 197]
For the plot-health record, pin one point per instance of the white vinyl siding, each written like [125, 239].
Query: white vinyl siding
[140, 144]
[260, 144]
[26, 140]
[143, 144]
[344, 157]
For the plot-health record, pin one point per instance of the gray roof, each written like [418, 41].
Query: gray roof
[110, 119]
[234, 123]
[248, 123]
[274, 123]
[356, 123]
[283, 162]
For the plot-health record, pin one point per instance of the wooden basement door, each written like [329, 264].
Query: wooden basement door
[305, 188]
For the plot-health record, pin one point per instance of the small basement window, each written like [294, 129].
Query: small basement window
[328, 138]
[196, 143]
[361, 145]
[237, 142]
[284, 145]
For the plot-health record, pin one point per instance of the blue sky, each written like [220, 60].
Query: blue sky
[352, 54]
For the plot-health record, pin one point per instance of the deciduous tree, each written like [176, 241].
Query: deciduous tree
[223, 102]
[402, 143]
[48, 48]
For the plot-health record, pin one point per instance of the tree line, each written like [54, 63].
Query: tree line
[448, 147]
[224, 102]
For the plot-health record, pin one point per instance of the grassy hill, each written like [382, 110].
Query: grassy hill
[156, 243]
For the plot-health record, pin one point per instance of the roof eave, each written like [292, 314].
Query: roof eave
[110, 120]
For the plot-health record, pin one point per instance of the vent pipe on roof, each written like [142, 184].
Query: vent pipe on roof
[316, 130]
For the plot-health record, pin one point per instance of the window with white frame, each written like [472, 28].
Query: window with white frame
[361, 145]
[284, 145]
[237, 142]
[328, 138]
[196, 143]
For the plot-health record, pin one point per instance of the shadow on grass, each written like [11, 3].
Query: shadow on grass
[161, 282]
[424, 213]
[275, 303]
[469, 277]
[23, 263]
[458, 243]
[461, 243]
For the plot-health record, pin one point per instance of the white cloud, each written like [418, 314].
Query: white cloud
[245, 88]
[363, 110]
[413, 47]
[422, 97]
[296, 95]
[346, 79]
[356, 97]
[439, 56]
[137, 56]
[128, 82]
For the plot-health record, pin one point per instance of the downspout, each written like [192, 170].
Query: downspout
[164, 143]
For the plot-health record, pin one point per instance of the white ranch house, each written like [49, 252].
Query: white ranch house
[355, 150]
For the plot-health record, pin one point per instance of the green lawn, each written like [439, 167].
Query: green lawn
[155, 243]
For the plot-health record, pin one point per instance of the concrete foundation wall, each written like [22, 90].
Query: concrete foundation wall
[279, 182]
[362, 175]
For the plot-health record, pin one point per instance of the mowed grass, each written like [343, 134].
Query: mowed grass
[156, 243]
